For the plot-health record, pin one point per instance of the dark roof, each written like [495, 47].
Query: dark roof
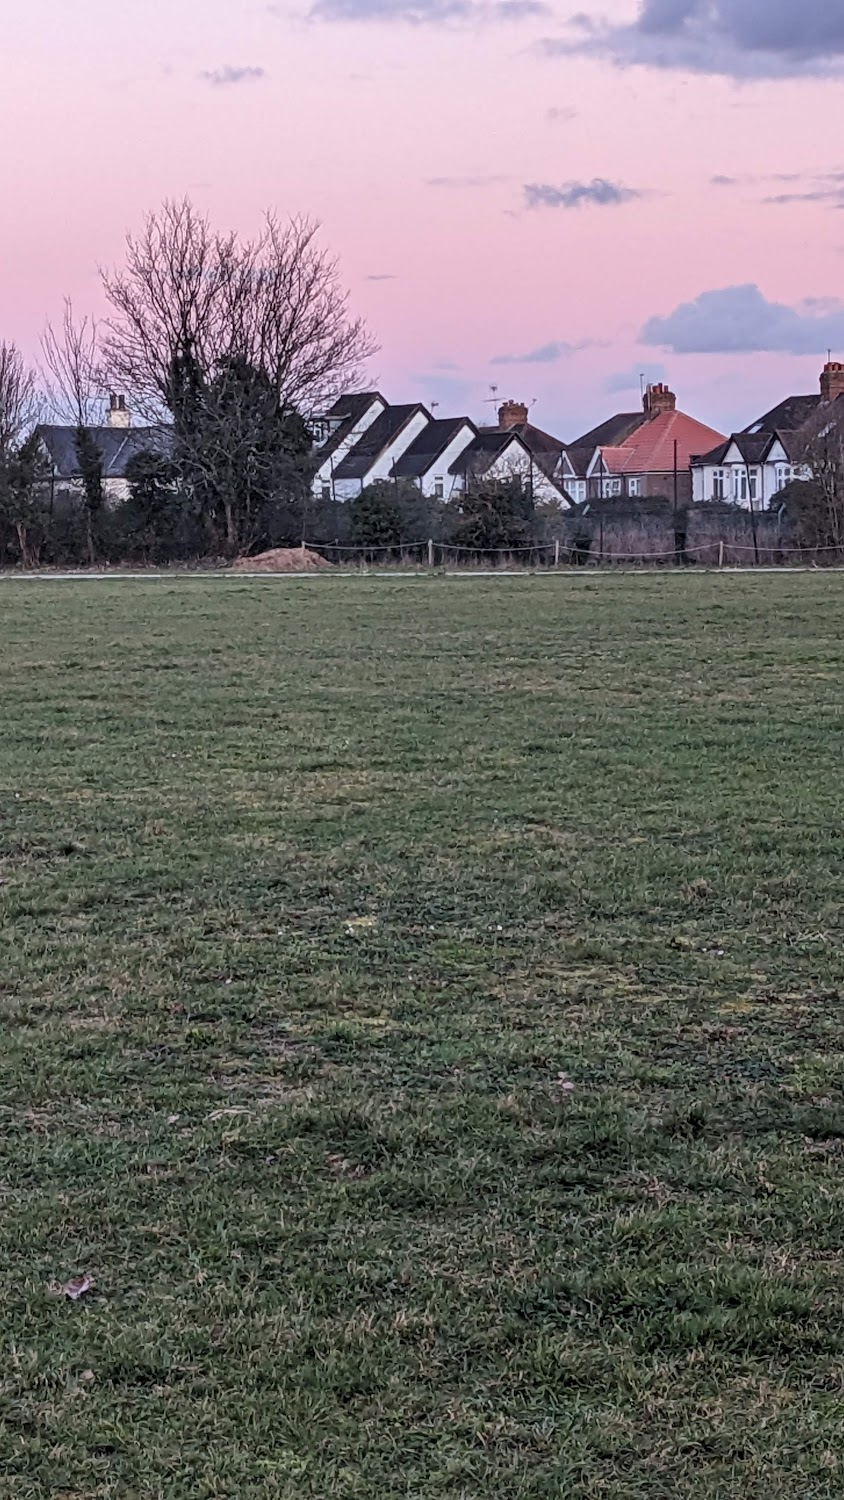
[368, 448]
[482, 452]
[611, 433]
[426, 449]
[790, 414]
[580, 457]
[753, 448]
[349, 409]
[546, 449]
[117, 445]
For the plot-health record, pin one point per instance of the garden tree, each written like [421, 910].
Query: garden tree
[21, 463]
[73, 371]
[806, 508]
[494, 515]
[240, 341]
[376, 516]
[244, 460]
[821, 450]
[151, 509]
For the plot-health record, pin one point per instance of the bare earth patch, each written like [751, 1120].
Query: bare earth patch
[282, 560]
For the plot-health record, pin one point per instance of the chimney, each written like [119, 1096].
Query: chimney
[118, 415]
[832, 381]
[512, 414]
[658, 398]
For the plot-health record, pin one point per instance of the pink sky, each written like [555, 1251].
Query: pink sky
[107, 112]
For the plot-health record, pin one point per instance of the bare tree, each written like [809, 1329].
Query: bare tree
[240, 341]
[19, 400]
[274, 302]
[73, 377]
[21, 464]
[820, 451]
[72, 368]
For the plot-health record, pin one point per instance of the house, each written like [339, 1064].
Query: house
[117, 441]
[752, 467]
[336, 433]
[642, 453]
[428, 461]
[500, 453]
[372, 455]
[362, 440]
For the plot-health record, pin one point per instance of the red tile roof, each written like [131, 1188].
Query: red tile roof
[650, 449]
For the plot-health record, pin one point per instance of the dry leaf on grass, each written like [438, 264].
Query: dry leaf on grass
[77, 1287]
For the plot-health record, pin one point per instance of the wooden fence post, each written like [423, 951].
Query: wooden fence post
[557, 553]
[720, 554]
[430, 554]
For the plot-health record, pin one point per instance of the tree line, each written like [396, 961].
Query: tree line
[225, 348]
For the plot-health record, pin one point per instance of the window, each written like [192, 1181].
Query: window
[612, 487]
[439, 488]
[719, 490]
[633, 487]
[754, 483]
[326, 492]
[742, 485]
[785, 474]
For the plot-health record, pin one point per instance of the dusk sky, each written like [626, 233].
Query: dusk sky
[548, 198]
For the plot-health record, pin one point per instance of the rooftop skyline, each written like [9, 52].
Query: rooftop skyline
[519, 195]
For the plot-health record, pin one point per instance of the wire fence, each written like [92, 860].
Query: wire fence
[579, 554]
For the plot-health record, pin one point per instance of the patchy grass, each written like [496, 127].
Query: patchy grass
[421, 1016]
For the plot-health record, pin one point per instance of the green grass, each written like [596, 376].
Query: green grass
[315, 895]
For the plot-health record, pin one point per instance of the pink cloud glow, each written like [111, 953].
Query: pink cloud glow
[413, 144]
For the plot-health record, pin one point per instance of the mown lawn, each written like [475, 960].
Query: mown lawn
[420, 1013]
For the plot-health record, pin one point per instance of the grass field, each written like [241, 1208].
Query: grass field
[420, 1013]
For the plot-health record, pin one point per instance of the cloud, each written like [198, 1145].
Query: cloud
[599, 192]
[227, 75]
[740, 320]
[427, 12]
[560, 113]
[735, 38]
[546, 354]
[465, 182]
[380, 276]
[631, 380]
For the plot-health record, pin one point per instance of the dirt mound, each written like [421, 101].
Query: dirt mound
[282, 560]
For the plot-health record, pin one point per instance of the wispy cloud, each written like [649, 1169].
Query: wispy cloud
[380, 276]
[427, 12]
[599, 193]
[741, 320]
[559, 113]
[227, 75]
[546, 354]
[735, 38]
[461, 183]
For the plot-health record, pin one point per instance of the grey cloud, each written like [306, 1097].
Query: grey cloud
[427, 12]
[546, 354]
[227, 75]
[735, 38]
[740, 320]
[599, 192]
[380, 276]
[560, 113]
[818, 195]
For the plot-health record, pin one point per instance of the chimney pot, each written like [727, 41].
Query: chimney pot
[118, 412]
[658, 398]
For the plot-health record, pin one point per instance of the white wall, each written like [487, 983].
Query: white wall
[326, 469]
[737, 482]
[347, 489]
[452, 483]
[514, 462]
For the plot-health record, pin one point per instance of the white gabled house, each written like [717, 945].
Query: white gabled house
[337, 432]
[372, 457]
[749, 470]
[498, 453]
[428, 462]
